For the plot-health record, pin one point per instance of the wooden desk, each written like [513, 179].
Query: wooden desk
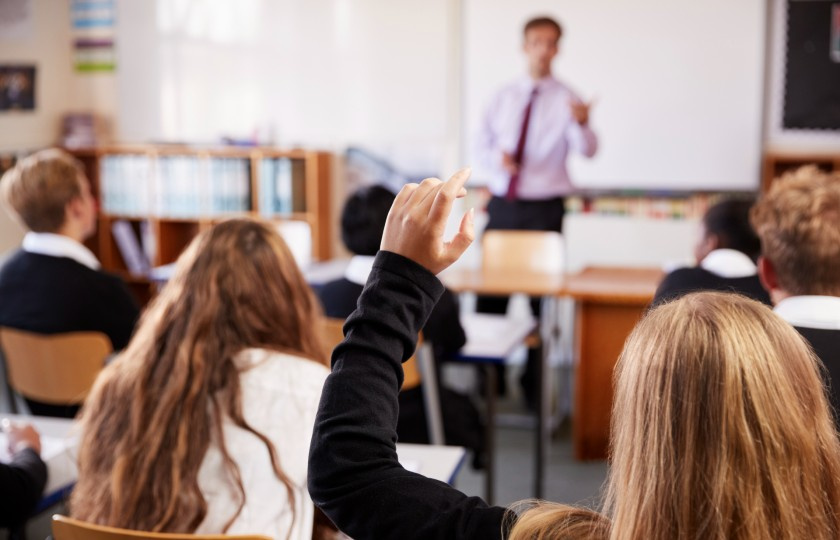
[432, 461]
[503, 283]
[610, 301]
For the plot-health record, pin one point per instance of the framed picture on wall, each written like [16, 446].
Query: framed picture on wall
[17, 87]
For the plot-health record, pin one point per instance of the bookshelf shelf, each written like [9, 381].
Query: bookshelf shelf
[166, 194]
[777, 163]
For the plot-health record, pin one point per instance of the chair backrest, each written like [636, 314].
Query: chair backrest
[523, 251]
[332, 331]
[65, 528]
[58, 369]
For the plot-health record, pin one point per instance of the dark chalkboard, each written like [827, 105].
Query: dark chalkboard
[812, 65]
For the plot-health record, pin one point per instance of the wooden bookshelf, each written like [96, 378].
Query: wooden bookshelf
[777, 163]
[310, 172]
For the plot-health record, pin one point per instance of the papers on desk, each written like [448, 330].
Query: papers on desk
[58, 450]
[494, 336]
[50, 447]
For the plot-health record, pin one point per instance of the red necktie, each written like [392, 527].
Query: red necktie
[520, 147]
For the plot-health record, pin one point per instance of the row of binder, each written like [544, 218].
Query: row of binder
[195, 187]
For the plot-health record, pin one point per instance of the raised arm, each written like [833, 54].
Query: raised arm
[354, 475]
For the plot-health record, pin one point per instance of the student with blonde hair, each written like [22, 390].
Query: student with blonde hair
[798, 221]
[721, 428]
[54, 283]
[202, 424]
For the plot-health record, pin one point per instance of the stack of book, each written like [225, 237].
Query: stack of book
[174, 186]
[282, 189]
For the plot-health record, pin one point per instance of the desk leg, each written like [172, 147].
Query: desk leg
[543, 431]
[490, 432]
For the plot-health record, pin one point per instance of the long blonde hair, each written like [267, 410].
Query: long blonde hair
[154, 411]
[720, 428]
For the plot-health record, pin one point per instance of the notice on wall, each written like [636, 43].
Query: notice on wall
[15, 19]
[94, 29]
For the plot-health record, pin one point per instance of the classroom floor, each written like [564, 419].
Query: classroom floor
[567, 480]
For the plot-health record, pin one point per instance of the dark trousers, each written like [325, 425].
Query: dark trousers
[543, 215]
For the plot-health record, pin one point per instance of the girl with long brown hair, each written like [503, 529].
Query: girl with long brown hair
[203, 423]
[721, 427]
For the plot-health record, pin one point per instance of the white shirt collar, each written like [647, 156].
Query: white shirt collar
[58, 245]
[811, 311]
[729, 263]
[359, 269]
[527, 83]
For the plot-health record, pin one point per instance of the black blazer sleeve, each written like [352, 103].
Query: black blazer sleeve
[21, 483]
[354, 475]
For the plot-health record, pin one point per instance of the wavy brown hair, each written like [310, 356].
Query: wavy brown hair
[720, 429]
[154, 412]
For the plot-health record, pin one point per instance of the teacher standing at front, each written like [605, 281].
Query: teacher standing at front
[527, 133]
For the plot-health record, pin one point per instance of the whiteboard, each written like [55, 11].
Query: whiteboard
[679, 85]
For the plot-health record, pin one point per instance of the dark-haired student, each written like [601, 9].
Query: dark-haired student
[362, 222]
[55, 284]
[726, 257]
[798, 221]
[23, 479]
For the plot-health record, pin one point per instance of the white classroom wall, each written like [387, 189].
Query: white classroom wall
[59, 89]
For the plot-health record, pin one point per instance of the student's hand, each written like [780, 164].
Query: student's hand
[417, 219]
[21, 437]
[580, 111]
[509, 164]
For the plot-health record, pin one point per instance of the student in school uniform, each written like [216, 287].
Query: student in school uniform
[717, 400]
[726, 257]
[55, 284]
[798, 221]
[202, 424]
[362, 222]
[22, 480]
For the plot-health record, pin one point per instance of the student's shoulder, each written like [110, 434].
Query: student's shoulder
[279, 369]
[688, 273]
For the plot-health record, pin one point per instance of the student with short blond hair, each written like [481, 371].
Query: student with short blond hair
[798, 221]
[54, 284]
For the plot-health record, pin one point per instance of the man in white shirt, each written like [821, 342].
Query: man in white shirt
[798, 222]
[54, 284]
[527, 133]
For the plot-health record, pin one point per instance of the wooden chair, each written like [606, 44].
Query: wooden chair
[523, 251]
[65, 528]
[419, 368]
[58, 369]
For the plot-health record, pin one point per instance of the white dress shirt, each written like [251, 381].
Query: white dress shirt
[280, 395]
[822, 312]
[58, 245]
[552, 134]
[729, 263]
